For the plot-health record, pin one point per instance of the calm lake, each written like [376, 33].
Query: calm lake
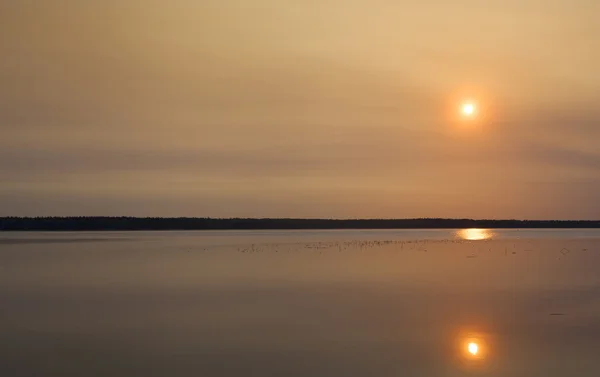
[510, 303]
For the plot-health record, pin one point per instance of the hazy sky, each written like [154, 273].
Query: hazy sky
[300, 108]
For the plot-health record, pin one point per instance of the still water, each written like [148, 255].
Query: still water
[301, 303]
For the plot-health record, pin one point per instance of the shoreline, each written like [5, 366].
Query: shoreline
[190, 223]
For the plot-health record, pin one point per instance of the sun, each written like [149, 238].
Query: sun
[473, 348]
[469, 109]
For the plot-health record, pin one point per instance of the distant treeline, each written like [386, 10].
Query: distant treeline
[191, 223]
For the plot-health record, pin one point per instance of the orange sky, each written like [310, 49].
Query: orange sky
[270, 108]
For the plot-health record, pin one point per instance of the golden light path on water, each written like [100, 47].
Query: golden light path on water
[475, 234]
[473, 347]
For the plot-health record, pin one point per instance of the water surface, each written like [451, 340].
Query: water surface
[300, 303]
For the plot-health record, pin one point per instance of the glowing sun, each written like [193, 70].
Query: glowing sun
[473, 348]
[468, 109]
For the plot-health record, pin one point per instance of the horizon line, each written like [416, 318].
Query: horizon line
[295, 218]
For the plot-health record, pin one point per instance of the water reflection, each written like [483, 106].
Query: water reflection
[474, 351]
[475, 234]
[348, 304]
[474, 348]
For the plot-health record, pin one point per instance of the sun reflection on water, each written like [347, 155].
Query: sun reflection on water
[474, 348]
[473, 351]
[475, 234]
